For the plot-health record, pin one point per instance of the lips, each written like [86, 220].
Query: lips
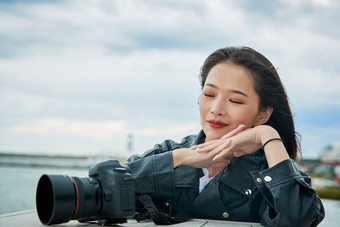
[217, 124]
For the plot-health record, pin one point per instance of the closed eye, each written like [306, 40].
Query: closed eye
[209, 95]
[237, 102]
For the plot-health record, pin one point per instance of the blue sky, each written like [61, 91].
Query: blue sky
[76, 77]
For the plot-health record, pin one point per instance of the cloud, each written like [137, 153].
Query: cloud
[172, 130]
[100, 130]
[111, 87]
[313, 89]
[117, 25]
[64, 135]
[92, 129]
[81, 64]
[316, 4]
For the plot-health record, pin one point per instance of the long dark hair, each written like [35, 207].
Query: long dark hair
[267, 85]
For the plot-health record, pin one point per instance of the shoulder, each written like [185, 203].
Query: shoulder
[186, 142]
[169, 145]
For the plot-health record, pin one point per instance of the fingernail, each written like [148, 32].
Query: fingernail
[215, 157]
[241, 125]
[197, 149]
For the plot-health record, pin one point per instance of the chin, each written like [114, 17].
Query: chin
[214, 136]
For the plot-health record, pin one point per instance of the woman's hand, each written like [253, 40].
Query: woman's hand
[190, 157]
[217, 146]
[202, 155]
[248, 141]
[239, 142]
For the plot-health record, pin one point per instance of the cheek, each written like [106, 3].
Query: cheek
[202, 106]
[246, 116]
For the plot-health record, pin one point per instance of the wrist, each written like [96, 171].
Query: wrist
[267, 133]
[275, 151]
[270, 140]
[177, 157]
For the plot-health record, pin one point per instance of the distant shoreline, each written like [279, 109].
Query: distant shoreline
[13, 164]
[54, 161]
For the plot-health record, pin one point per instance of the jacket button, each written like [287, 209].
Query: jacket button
[267, 178]
[248, 192]
[259, 180]
[225, 214]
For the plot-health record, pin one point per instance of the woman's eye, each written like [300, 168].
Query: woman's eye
[209, 95]
[237, 102]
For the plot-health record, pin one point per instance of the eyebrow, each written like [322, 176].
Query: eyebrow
[234, 91]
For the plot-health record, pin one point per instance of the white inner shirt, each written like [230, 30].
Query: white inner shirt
[204, 180]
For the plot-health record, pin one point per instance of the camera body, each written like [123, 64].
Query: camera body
[118, 190]
[107, 196]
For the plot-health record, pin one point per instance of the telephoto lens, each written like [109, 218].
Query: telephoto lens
[107, 196]
[62, 198]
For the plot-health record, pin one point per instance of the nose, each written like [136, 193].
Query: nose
[218, 107]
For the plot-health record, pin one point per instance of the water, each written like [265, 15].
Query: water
[18, 187]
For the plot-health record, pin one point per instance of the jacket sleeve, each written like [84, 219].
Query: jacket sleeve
[153, 171]
[290, 199]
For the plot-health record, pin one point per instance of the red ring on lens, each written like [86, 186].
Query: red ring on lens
[77, 196]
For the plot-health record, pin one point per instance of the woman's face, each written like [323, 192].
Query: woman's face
[228, 99]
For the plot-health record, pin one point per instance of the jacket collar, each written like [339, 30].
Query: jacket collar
[200, 138]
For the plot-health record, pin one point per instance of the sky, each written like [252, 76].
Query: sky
[87, 77]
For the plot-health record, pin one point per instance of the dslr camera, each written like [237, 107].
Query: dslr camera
[106, 197]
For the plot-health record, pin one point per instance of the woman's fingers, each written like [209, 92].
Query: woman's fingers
[216, 147]
[208, 146]
[222, 151]
[236, 143]
[202, 160]
[243, 143]
[234, 132]
[206, 159]
[219, 144]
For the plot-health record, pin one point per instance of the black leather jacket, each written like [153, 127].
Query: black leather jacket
[246, 190]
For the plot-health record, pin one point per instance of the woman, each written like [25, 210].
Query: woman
[241, 166]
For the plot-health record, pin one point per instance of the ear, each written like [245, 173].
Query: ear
[264, 116]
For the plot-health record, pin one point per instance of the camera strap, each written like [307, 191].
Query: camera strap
[158, 217]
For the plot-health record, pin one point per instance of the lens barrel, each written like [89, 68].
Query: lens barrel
[61, 198]
[55, 199]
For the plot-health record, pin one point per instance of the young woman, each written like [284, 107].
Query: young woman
[241, 166]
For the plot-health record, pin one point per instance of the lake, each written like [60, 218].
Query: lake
[18, 188]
